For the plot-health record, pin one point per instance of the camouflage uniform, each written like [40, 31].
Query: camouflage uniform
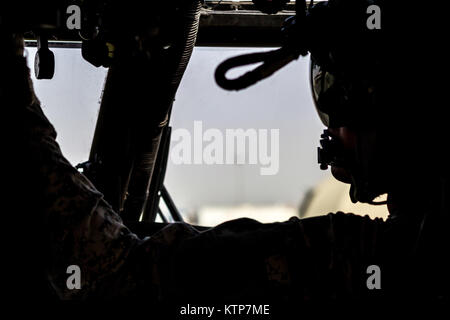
[322, 257]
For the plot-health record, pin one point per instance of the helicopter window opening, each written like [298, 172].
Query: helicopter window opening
[203, 114]
[71, 100]
[206, 191]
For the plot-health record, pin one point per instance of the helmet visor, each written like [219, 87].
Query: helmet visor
[320, 82]
[345, 100]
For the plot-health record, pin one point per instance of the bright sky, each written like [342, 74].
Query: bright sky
[71, 101]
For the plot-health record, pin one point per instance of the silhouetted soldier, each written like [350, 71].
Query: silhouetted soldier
[385, 136]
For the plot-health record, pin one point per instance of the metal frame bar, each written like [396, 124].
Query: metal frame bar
[225, 24]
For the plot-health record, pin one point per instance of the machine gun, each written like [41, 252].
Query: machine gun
[146, 60]
[146, 46]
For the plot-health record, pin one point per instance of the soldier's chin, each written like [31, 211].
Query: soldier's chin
[341, 174]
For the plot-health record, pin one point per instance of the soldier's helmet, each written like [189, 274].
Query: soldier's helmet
[374, 68]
